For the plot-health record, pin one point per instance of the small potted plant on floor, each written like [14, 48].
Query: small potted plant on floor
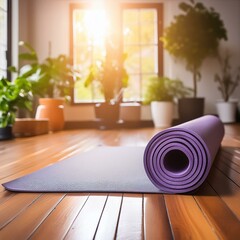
[227, 83]
[193, 36]
[160, 93]
[13, 96]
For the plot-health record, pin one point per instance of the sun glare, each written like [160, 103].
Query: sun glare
[95, 22]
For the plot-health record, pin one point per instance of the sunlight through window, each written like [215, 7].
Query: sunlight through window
[96, 33]
[134, 31]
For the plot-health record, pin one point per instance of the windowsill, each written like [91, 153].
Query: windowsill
[97, 124]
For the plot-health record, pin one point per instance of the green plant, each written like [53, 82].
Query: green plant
[226, 82]
[193, 36]
[51, 78]
[111, 76]
[29, 63]
[13, 96]
[55, 77]
[164, 89]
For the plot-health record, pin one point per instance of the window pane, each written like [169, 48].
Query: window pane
[88, 47]
[132, 33]
[132, 62]
[148, 20]
[145, 79]
[82, 92]
[3, 38]
[131, 28]
[133, 91]
[149, 59]
[141, 45]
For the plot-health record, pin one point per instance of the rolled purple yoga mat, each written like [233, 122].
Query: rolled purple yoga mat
[178, 159]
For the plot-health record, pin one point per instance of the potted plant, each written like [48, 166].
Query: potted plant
[160, 93]
[111, 77]
[53, 85]
[227, 84]
[193, 36]
[52, 81]
[13, 95]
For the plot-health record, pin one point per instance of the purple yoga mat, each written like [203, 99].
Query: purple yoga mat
[178, 159]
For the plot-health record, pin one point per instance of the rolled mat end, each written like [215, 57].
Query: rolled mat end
[178, 159]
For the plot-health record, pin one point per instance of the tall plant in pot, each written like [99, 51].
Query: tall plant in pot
[13, 96]
[111, 77]
[227, 83]
[193, 36]
[160, 93]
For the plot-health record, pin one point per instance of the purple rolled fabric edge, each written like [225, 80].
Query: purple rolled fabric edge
[178, 159]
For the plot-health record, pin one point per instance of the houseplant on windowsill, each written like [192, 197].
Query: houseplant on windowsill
[194, 36]
[52, 81]
[13, 95]
[111, 77]
[161, 93]
[227, 84]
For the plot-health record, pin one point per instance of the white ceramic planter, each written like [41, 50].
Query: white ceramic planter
[227, 111]
[162, 114]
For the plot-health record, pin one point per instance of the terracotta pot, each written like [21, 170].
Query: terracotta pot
[51, 109]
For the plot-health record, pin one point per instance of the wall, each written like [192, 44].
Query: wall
[229, 12]
[47, 21]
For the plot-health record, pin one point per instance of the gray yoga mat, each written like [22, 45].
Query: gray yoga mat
[104, 169]
[176, 160]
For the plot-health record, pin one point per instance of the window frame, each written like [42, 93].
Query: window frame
[9, 36]
[157, 6]
[8, 52]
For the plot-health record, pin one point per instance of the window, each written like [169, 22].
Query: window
[140, 27]
[3, 37]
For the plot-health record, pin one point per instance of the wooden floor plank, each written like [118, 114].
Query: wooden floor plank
[59, 221]
[226, 189]
[229, 172]
[232, 130]
[130, 224]
[109, 220]
[186, 218]
[85, 225]
[156, 224]
[42, 161]
[25, 223]
[223, 221]
[14, 206]
[230, 141]
[31, 162]
[229, 163]
[231, 156]
[5, 195]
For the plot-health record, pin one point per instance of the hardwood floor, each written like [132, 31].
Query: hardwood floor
[212, 213]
